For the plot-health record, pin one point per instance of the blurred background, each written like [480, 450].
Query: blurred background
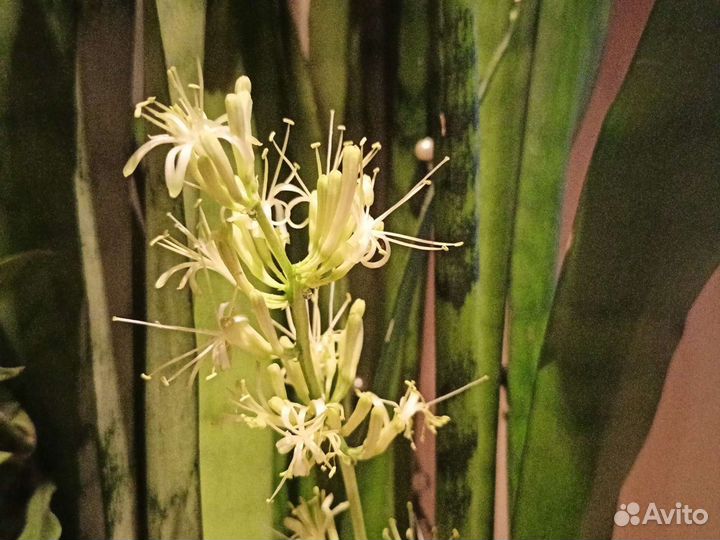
[584, 180]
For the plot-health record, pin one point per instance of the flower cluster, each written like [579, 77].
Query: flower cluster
[315, 518]
[309, 354]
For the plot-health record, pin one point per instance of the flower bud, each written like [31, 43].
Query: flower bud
[362, 408]
[262, 314]
[276, 374]
[349, 351]
[297, 379]
[207, 177]
[212, 148]
[238, 332]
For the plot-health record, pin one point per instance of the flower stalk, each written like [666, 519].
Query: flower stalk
[308, 362]
[353, 495]
[302, 326]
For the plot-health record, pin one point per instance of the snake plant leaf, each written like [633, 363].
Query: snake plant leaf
[104, 136]
[273, 57]
[466, 447]
[40, 312]
[41, 523]
[485, 53]
[403, 275]
[9, 26]
[399, 361]
[406, 268]
[373, 40]
[647, 238]
[506, 82]
[171, 414]
[328, 23]
[182, 29]
[236, 464]
[563, 69]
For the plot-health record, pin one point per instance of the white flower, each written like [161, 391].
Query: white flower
[342, 231]
[233, 332]
[248, 247]
[413, 403]
[201, 253]
[204, 252]
[182, 124]
[309, 433]
[197, 142]
[314, 519]
[383, 429]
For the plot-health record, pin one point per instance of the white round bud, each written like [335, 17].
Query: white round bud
[425, 149]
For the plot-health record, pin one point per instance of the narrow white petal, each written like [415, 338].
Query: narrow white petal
[140, 153]
[171, 179]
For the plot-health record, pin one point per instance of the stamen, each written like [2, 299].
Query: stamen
[329, 149]
[376, 147]
[201, 83]
[376, 170]
[315, 315]
[162, 125]
[284, 330]
[331, 301]
[281, 152]
[457, 391]
[283, 158]
[289, 318]
[176, 83]
[341, 129]
[315, 147]
[393, 236]
[340, 312]
[195, 363]
[167, 327]
[264, 157]
[419, 186]
[149, 376]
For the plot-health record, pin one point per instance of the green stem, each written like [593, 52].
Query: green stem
[296, 299]
[353, 495]
[302, 330]
[278, 250]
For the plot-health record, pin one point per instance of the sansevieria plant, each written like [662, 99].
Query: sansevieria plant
[306, 354]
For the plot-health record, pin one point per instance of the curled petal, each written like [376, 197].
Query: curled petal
[176, 164]
[141, 152]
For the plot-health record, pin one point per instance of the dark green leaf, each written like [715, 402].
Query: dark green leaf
[41, 523]
[104, 136]
[173, 484]
[40, 310]
[485, 53]
[647, 238]
[562, 73]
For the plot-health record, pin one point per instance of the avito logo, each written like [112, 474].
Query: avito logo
[681, 514]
